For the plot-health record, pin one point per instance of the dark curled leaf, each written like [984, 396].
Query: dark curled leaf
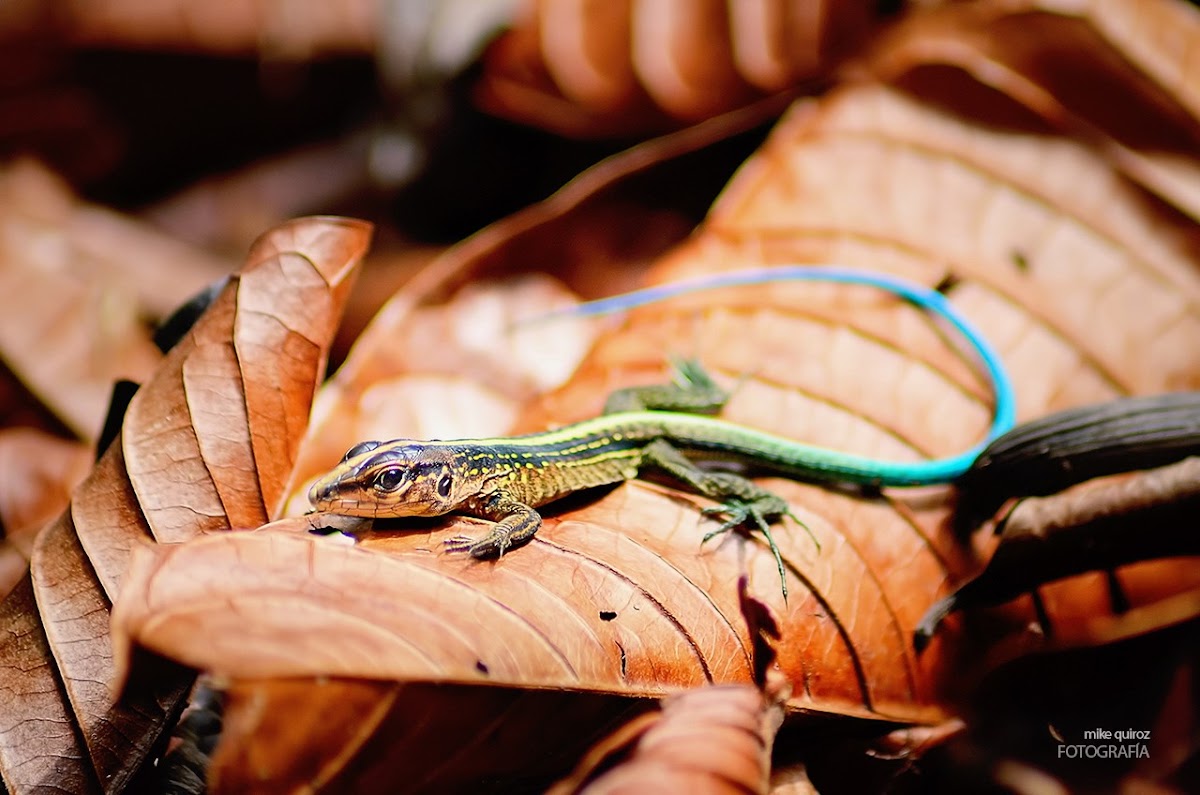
[167, 335]
[1057, 451]
[122, 392]
[183, 769]
[1147, 515]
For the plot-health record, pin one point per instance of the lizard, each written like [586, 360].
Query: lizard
[505, 480]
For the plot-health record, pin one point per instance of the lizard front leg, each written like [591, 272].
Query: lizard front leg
[516, 523]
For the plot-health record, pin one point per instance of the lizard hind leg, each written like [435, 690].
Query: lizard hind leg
[692, 391]
[743, 502]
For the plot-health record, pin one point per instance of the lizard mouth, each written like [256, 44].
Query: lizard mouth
[333, 496]
[323, 495]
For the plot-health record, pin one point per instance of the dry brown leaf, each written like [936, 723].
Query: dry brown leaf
[336, 735]
[261, 350]
[1108, 524]
[74, 298]
[227, 411]
[1113, 75]
[593, 69]
[39, 749]
[1039, 256]
[616, 594]
[1048, 56]
[108, 520]
[712, 739]
[73, 610]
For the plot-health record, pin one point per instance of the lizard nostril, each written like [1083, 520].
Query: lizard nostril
[320, 493]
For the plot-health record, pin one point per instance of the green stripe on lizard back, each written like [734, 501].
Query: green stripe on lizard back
[723, 440]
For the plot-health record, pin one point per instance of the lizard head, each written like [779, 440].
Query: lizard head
[396, 478]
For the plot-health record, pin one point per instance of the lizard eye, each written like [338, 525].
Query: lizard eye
[444, 484]
[389, 479]
[359, 449]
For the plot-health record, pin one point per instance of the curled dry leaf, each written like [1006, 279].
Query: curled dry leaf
[1048, 56]
[336, 735]
[1106, 525]
[712, 739]
[261, 350]
[230, 420]
[593, 69]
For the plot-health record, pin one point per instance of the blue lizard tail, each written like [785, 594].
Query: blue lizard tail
[889, 472]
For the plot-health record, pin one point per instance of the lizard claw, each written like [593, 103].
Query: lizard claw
[458, 543]
[486, 547]
[756, 514]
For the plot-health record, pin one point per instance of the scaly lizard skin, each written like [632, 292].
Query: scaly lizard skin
[506, 479]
